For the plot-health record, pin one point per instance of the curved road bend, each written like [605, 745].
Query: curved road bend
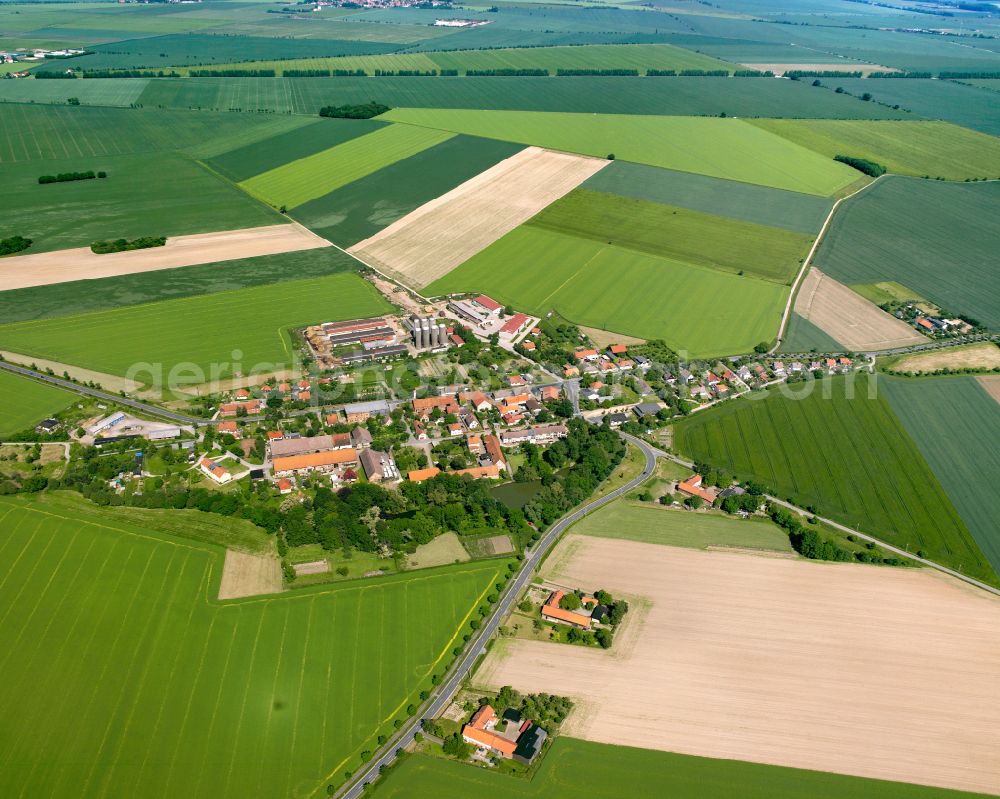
[442, 695]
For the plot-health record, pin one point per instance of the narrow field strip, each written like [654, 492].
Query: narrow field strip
[311, 177]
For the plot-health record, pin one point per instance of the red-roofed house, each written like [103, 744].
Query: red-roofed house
[227, 427]
[618, 349]
[552, 612]
[285, 486]
[693, 488]
[550, 393]
[515, 324]
[586, 355]
[488, 304]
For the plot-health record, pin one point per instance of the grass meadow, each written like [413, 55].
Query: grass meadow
[943, 243]
[594, 56]
[759, 205]
[145, 194]
[723, 148]
[679, 234]
[311, 177]
[698, 310]
[850, 459]
[364, 207]
[25, 402]
[575, 769]
[653, 524]
[956, 426]
[137, 682]
[934, 149]
[200, 331]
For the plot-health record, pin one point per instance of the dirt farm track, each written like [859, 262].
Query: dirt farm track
[61, 266]
[872, 671]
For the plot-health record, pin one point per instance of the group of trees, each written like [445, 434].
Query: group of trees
[13, 244]
[121, 245]
[357, 111]
[870, 168]
[810, 544]
[64, 177]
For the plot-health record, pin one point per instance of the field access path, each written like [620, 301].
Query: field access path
[442, 696]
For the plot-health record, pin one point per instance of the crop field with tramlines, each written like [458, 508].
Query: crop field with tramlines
[201, 332]
[137, 682]
[849, 458]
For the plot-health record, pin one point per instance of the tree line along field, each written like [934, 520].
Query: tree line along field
[162, 194]
[794, 211]
[694, 309]
[594, 56]
[847, 456]
[309, 178]
[138, 682]
[942, 247]
[724, 148]
[365, 206]
[26, 402]
[575, 769]
[918, 148]
[242, 163]
[608, 95]
[79, 296]
[197, 332]
[679, 234]
[956, 424]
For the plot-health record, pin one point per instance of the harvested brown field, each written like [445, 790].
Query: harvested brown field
[848, 317]
[842, 66]
[605, 338]
[249, 575]
[992, 385]
[444, 549]
[80, 263]
[872, 671]
[429, 242]
[977, 356]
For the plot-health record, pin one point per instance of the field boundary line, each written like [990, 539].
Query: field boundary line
[807, 263]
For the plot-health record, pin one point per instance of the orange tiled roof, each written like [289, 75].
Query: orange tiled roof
[315, 460]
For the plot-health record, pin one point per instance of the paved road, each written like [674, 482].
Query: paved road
[442, 696]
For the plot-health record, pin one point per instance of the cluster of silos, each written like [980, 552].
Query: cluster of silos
[427, 333]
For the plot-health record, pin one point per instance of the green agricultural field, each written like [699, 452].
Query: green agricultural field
[679, 234]
[79, 296]
[120, 92]
[244, 162]
[800, 213]
[942, 244]
[701, 311]
[956, 425]
[138, 682]
[145, 194]
[849, 457]
[935, 149]
[651, 524]
[596, 56]
[311, 177]
[194, 335]
[724, 148]
[366, 206]
[40, 132]
[662, 96]
[801, 335]
[25, 402]
[574, 769]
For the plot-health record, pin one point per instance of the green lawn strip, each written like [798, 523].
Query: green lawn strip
[363, 208]
[724, 148]
[575, 769]
[197, 333]
[936, 149]
[678, 233]
[845, 454]
[315, 136]
[307, 178]
[652, 524]
[141, 682]
[942, 245]
[956, 425]
[82, 296]
[698, 310]
[801, 335]
[145, 194]
[26, 402]
[800, 213]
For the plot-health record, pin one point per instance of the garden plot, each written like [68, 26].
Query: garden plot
[431, 241]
